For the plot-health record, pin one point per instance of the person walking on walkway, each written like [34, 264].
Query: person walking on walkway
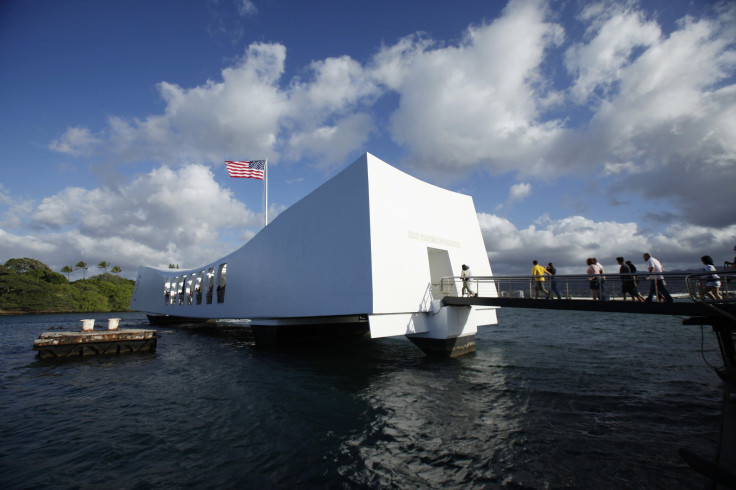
[594, 278]
[538, 272]
[466, 275]
[552, 281]
[657, 285]
[628, 281]
[712, 280]
[601, 279]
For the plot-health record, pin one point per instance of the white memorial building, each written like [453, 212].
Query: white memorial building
[366, 251]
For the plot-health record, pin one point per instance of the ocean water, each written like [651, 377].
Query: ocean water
[549, 400]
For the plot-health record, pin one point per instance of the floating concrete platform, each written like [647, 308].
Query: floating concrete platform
[92, 343]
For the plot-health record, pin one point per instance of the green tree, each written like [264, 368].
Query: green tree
[33, 269]
[83, 266]
[24, 265]
[116, 270]
[30, 285]
[53, 277]
[103, 265]
[117, 290]
[87, 297]
[21, 292]
[67, 270]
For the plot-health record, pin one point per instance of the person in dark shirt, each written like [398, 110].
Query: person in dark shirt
[628, 281]
[552, 281]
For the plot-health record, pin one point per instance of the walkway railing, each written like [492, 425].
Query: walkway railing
[678, 284]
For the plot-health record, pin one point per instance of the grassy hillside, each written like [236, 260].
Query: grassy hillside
[30, 286]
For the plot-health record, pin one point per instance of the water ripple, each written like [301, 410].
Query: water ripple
[547, 401]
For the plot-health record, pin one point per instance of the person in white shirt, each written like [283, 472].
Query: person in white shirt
[466, 276]
[657, 284]
[601, 280]
[594, 278]
[712, 280]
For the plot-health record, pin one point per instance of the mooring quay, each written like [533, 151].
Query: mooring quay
[692, 305]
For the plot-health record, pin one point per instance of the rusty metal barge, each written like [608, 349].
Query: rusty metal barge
[90, 342]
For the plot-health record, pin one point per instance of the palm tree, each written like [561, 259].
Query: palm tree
[103, 265]
[67, 270]
[116, 270]
[83, 266]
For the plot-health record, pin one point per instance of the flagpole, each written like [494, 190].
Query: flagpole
[245, 170]
[265, 183]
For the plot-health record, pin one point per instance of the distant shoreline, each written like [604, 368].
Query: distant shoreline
[52, 312]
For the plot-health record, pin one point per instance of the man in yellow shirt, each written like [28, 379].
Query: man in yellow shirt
[538, 272]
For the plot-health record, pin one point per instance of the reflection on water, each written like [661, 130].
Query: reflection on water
[449, 424]
[548, 400]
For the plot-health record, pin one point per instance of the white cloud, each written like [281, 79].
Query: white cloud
[17, 213]
[570, 241]
[210, 123]
[16, 246]
[617, 31]
[338, 84]
[76, 141]
[247, 8]
[4, 195]
[325, 121]
[611, 168]
[227, 18]
[519, 191]
[158, 218]
[334, 143]
[479, 103]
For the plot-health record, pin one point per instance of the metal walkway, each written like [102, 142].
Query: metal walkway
[678, 308]
[575, 293]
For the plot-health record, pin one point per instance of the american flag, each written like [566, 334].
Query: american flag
[246, 170]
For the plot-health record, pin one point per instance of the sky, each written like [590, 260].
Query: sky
[581, 129]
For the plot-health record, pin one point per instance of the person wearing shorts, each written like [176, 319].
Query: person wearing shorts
[539, 272]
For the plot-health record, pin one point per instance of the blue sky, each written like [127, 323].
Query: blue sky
[580, 129]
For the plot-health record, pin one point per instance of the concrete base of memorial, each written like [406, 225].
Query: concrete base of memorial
[452, 347]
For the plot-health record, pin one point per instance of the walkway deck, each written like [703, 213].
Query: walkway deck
[678, 308]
